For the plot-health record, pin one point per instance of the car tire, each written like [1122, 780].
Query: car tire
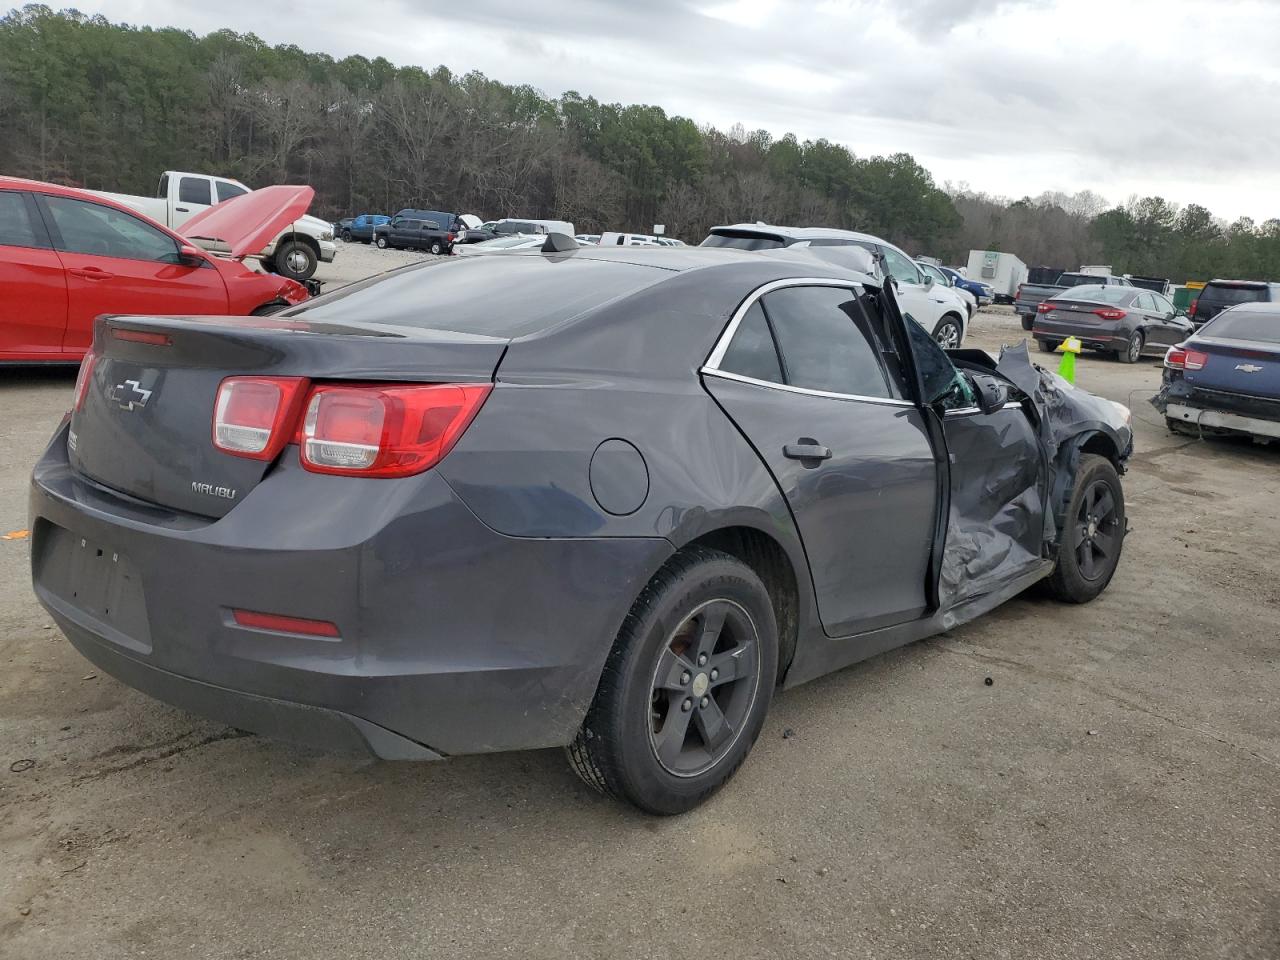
[267, 309]
[1048, 346]
[1132, 352]
[346, 236]
[437, 248]
[1027, 322]
[647, 736]
[382, 243]
[296, 260]
[1092, 536]
[1182, 428]
[948, 333]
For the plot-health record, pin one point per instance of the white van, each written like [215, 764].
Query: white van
[520, 225]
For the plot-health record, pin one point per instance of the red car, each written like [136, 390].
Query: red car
[68, 256]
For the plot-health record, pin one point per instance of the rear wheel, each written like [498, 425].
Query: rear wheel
[346, 236]
[686, 687]
[1093, 532]
[947, 334]
[1027, 322]
[1048, 346]
[436, 247]
[382, 243]
[1131, 352]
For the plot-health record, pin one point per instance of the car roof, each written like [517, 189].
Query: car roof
[79, 193]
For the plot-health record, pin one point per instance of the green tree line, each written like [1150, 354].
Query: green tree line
[88, 102]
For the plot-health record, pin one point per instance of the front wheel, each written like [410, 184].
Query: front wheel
[947, 334]
[1131, 352]
[686, 687]
[1093, 532]
[296, 260]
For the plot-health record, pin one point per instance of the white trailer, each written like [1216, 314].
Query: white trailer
[1003, 272]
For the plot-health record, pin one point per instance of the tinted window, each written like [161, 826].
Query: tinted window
[93, 229]
[830, 242]
[1224, 294]
[1094, 294]
[1244, 325]
[899, 267]
[942, 382]
[228, 190]
[15, 223]
[1079, 280]
[744, 241]
[751, 353]
[825, 341]
[193, 190]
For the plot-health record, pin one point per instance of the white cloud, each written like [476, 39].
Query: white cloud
[1172, 97]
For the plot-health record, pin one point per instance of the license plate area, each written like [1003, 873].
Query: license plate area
[97, 582]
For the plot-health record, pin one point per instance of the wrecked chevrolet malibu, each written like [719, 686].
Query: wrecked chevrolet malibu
[610, 500]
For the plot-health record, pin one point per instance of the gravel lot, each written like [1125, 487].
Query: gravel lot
[1113, 793]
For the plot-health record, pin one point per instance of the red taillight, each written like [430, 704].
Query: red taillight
[254, 417]
[1044, 307]
[449, 237]
[1018, 295]
[385, 431]
[82, 379]
[1194, 303]
[272, 621]
[141, 336]
[1180, 358]
[1110, 313]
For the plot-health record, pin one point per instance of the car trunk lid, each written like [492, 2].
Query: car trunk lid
[1241, 367]
[145, 424]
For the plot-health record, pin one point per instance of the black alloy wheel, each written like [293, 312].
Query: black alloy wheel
[1092, 534]
[703, 688]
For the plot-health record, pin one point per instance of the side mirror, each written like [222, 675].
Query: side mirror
[992, 392]
[190, 255]
[928, 282]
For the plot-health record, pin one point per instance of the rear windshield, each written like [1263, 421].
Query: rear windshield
[1244, 325]
[1076, 280]
[1214, 293]
[743, 240]
[1098, 294]
[501, 296]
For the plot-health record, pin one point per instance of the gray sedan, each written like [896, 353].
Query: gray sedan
[581, 498]
[1123, 321]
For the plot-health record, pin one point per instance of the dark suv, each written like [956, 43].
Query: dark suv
[1217, 295]
[414, 233]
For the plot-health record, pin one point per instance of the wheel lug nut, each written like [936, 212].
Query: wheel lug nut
[684, 678]
[687, 705]
[705, 701]
[702, 659]
[715, 674]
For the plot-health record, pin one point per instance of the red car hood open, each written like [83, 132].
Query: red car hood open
[249, 222]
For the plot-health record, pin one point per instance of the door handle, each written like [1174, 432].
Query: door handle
[183, 209]
[90, 273]
[806, 449]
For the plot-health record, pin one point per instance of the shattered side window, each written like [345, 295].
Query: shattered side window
[943, 383]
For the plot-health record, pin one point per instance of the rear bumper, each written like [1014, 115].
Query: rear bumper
[1090, 337]
[1223, 420]
[453, 638]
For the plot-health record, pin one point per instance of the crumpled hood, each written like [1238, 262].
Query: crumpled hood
[249, 222]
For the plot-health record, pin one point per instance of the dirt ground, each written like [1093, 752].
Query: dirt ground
[1113, 793]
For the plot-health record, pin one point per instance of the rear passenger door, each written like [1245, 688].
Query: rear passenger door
[802, 372]
[33, 285]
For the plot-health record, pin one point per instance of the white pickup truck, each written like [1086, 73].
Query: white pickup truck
[295, 253]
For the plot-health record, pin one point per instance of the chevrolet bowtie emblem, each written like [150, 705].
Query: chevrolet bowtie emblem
[129, 395]
[1248, 367]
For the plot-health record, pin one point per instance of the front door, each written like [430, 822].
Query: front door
[804, 380]
[116, 263]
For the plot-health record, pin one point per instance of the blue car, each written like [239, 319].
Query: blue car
[981, 292]
[361, 227]
[1225, 379]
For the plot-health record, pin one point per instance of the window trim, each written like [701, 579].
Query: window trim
[711, 366]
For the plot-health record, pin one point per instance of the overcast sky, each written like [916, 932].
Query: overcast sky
[1179, 98]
